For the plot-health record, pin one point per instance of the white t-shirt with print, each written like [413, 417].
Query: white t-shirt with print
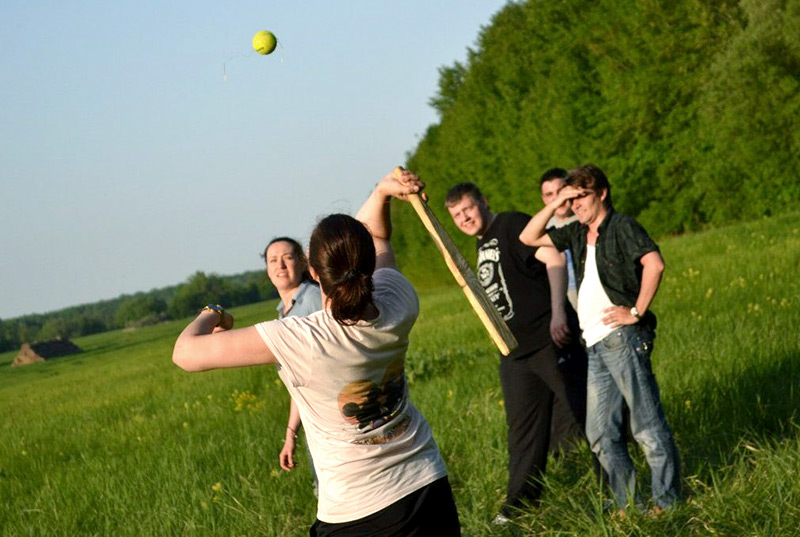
[370, 445]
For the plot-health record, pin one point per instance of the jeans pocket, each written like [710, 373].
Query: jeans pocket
[614, 342]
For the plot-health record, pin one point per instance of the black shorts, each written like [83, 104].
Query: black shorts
[430, 510]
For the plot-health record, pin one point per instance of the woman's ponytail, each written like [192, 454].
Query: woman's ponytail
[342, 253]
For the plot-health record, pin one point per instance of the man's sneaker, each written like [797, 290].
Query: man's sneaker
[500, 520]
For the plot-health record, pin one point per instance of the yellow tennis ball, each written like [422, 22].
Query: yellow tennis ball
[264, 42]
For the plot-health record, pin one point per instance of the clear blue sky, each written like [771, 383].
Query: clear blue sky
[128, 162]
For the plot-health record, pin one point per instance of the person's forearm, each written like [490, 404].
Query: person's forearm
[293, 425]
[185, 349]
[375, 214]
[652, 271]
[557, 277]
[198, 349]
[534, 233]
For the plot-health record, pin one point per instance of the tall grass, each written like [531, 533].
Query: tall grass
[118, 441]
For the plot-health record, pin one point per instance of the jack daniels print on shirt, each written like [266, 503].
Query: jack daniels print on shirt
[492, 279]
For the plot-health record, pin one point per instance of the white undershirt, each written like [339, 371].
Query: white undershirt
[592, 301]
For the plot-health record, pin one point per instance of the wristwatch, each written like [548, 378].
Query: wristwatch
[635, 312]
[215, 308]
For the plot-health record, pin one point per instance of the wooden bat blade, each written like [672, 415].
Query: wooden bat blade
[465, 276]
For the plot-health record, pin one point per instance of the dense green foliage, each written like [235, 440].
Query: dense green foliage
[200, 288]
[118, 441]
[140, 309]
[692, 107]
[689, 106]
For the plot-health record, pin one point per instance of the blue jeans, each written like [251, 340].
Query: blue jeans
[619, 368]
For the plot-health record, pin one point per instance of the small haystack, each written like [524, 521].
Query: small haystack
[40, 351]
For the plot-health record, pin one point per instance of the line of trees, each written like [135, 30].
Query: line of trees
[140, 309]
[691, 107]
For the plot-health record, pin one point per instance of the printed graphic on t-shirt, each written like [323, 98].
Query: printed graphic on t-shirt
[367, 405]
[490, 275]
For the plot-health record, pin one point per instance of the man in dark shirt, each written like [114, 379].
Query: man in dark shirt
[527, 286]
[618, 269]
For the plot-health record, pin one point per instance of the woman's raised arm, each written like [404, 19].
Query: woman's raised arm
[375, 213]
[209, 343]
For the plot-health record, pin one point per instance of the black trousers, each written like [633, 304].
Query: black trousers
[530, 385]
[430, 510]
[569, 409]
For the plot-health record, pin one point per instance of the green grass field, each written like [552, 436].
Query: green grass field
[118, 441]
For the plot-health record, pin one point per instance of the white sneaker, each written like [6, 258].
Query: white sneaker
[500, 520]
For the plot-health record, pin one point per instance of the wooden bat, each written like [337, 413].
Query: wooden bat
[465, 276]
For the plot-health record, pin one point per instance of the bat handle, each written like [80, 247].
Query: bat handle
[416, 199]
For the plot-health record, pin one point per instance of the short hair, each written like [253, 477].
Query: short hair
[553, 173]
[592, 178]
[460, 190]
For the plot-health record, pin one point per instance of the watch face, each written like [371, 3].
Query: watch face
[215, 307]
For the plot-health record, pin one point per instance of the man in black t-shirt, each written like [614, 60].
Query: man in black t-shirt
[528, 287]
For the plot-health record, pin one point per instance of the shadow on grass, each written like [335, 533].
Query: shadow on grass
[127, 341]
[760, 403]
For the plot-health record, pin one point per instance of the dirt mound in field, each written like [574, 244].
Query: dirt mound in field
[40, 351]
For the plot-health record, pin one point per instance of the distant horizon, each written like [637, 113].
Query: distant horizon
[131, 162]
[131, 294]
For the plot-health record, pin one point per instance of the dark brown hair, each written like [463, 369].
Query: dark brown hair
[343, 256]
[297, 250]
[590, 177]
